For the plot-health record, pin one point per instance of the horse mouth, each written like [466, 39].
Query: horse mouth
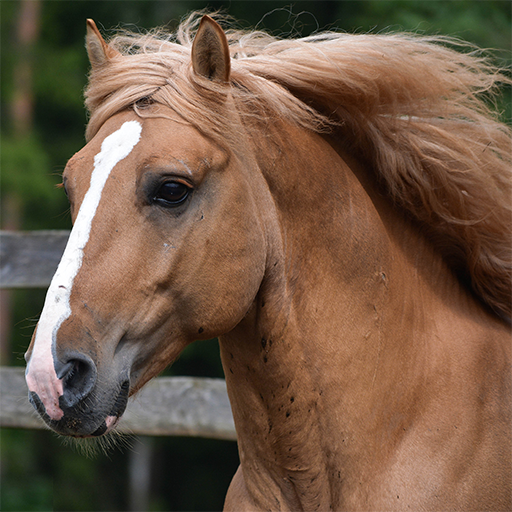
[107, 426]
[116, 412]
[82, 421]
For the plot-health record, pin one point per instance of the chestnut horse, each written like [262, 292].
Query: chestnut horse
[336, 209]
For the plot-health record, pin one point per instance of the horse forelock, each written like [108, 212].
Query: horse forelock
[415, 110]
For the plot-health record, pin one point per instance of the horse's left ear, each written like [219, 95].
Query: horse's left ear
[98, 50]
[210, 51]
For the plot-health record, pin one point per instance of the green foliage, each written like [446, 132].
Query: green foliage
[19, 466]
[486, 24]
[27, 175]
[27, 163]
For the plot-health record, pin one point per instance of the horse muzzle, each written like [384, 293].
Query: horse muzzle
[72, 402]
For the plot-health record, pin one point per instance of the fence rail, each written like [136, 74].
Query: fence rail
[29, 259]
[180, 406]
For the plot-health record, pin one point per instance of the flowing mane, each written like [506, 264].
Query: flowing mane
[412, 107]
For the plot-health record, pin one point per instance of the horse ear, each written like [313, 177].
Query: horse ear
[210, 51]
[98, 50]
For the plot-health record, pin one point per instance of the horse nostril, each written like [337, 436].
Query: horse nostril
[78, 374]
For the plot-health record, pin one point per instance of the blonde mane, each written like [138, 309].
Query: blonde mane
[413, 108]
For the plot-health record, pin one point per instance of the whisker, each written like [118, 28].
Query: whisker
[91, 447]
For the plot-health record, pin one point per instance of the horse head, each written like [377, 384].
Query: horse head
[167, 247]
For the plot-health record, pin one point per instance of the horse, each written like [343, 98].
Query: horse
[336, 210]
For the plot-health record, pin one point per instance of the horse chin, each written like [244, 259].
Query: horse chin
[105, 428]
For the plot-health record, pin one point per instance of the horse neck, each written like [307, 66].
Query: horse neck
[343, 263]
[353, 306]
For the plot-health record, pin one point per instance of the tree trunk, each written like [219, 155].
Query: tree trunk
[22, 114]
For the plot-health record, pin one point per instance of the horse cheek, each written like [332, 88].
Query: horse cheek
[233, 270]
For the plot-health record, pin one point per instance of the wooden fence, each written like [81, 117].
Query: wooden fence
[183, 406]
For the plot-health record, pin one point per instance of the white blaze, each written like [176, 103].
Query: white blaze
[40, 375]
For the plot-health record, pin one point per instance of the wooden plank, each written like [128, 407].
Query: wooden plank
[15, 409]
[179, 406]
[29, 259]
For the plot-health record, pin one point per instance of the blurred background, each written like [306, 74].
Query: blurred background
[43, 73]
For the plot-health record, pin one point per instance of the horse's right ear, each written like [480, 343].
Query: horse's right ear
[98, 50]
[210, 51]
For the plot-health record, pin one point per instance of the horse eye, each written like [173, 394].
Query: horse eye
[62, 186]
[172, 193]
